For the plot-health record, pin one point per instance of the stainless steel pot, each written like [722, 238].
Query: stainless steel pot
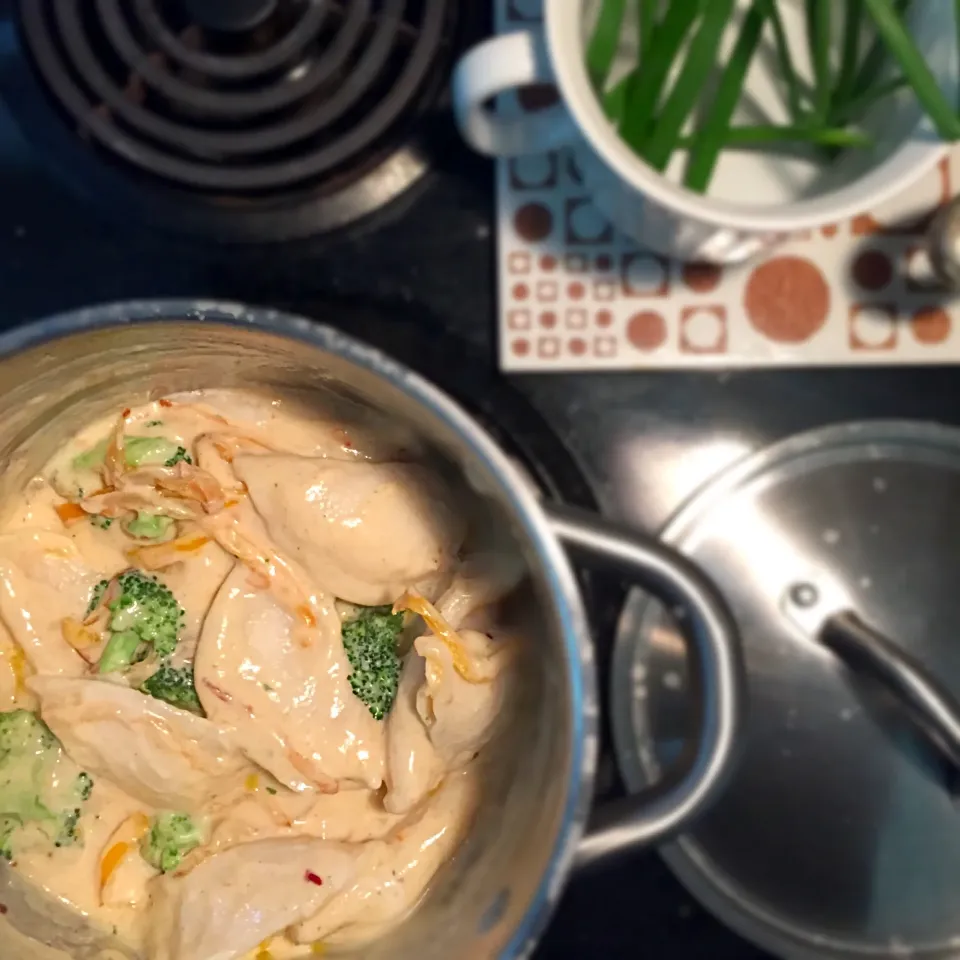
[495, 899]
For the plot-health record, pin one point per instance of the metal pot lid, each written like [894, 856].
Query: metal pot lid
[839, 835]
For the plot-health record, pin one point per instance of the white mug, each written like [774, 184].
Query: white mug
[645, 204]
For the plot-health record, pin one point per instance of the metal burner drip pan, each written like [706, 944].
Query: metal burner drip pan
[254, 121]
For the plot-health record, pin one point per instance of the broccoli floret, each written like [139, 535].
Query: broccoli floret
[8, 827]
[137, 451]
[23, 732]
[370, 642]
[145, 618]
[93, 458]
[67, 835]
[102, 522]
[96, 596]
[172, 836]
[142, 451]
[175, 686]
[84, 786]
[180, 454]
[39, 790]
[149, 526]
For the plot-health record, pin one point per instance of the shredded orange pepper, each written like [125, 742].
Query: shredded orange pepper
[115, 461]
[263, 951]
[110, 862]
[226, 454]
[415, 603]
[307, 615]
[69, 513]
[77, 635]
[130, 832]
[186, 544]
[158, 555]
[18, 666]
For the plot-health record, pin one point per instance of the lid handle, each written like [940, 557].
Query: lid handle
[656, 814]
[933, 710]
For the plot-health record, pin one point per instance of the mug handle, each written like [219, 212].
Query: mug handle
[656, 814]
[497, 66]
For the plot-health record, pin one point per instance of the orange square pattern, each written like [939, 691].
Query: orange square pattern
[577, 294]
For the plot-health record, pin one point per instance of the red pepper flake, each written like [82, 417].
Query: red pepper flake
[313, 878]
[165, 403]
[126, 413]
[3, 909]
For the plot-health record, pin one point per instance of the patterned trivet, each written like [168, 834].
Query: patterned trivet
[576, 295]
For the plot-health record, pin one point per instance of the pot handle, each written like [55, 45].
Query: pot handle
[656, 814]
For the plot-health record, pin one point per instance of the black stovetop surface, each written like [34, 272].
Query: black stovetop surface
[643, 441]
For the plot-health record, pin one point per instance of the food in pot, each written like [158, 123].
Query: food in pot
[249, 655]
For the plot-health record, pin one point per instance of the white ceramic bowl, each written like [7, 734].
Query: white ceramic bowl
[755, 200]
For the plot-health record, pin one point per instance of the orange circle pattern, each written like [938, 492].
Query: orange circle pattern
[931, 325]
[585, 297]
[787, 299]
[647, 330]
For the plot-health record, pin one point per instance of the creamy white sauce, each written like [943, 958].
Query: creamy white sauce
[289, 770]
[285, 693]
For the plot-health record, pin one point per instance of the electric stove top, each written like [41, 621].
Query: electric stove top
[168, 149]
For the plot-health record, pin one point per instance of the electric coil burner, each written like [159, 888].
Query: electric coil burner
[240, 120]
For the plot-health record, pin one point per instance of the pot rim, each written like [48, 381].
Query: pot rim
[558, 572]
